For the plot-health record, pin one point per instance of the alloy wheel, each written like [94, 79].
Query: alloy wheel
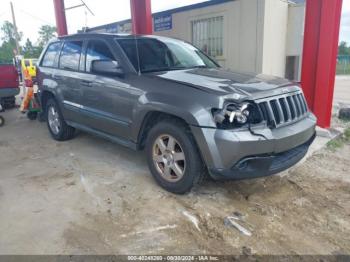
[169, 158]
[54, 120]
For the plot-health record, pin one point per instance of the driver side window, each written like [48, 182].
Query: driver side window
[97, 50]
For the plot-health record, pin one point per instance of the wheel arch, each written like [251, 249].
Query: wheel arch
[150, 119]
[44, 97]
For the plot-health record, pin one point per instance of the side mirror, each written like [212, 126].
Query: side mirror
[107, 67]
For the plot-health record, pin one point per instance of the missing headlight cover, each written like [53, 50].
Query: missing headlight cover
[237, 115]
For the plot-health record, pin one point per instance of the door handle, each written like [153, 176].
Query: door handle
[86, 83]
[57, 77]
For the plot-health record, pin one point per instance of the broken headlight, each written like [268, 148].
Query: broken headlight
[236, 115]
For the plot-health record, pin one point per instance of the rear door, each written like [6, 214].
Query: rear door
[48, 67]
[69, 76]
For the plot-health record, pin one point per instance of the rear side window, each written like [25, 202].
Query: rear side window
[70, 55]
[97, 50]
[50, 55]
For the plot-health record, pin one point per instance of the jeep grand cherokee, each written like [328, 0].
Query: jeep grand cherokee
[169, 98]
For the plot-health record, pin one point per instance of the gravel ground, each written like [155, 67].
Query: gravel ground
[89, 196]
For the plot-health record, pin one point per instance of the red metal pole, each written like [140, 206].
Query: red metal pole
[141, 15]
[60, 14]
[322, 24]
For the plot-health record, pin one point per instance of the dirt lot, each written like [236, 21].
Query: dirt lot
[89, 196]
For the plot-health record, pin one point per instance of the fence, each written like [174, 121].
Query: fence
[343, 65]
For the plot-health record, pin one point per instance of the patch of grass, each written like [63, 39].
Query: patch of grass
[335, 144]
[345, 121]
[347, 134]
[339, 142]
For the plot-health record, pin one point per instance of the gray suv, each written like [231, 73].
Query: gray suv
[169, 98]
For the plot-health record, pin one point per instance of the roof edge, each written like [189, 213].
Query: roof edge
[167, 12]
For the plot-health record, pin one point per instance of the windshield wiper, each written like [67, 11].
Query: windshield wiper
[163, 69]
[173, 68]
[200, 66]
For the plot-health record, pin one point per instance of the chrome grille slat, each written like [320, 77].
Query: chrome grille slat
[287, 109]
[270, 113]
[294, 107]
[301, 105]
[298, 105]
[280, 111]
[302, 101]
[305, 103]
[284, 109]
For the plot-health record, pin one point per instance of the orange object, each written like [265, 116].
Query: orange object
[27, 78]
[28, 97]
[26, 73]
[30, 91]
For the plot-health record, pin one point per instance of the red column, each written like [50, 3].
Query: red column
[322, 24]
[141, 15]
[60, 14]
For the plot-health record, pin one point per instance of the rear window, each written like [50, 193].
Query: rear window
[27, 62]
[70, 55]
[50, 55]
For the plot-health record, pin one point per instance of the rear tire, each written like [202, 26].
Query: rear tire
[32, 115]
[173, 157]
[2, 121]
[58, 128]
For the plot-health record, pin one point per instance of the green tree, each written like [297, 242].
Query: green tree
[31, 51]
[7, 52]
[8, 32]
[8, 46]
[344, 49]
[46, 33]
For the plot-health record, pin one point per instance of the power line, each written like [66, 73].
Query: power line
[82, 4]
[87, 8]
[37, 18]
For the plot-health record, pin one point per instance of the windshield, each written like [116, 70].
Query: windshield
[155, 54]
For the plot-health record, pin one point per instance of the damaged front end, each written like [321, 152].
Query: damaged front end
[237, 115]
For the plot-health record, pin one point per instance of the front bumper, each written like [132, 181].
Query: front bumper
[238, 154]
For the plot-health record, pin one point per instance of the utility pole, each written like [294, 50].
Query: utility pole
[16, 32]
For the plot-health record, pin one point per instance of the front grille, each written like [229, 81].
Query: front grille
[282, 110]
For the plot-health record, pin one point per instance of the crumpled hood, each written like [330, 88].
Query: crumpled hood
[223, 82]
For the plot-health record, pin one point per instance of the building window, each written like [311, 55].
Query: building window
[292, 67]
[207, 34]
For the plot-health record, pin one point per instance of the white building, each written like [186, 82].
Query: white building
[262, 36]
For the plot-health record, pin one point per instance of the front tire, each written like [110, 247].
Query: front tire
[173, 157]
[58, 128]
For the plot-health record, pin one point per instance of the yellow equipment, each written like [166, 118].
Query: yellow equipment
[30, 65]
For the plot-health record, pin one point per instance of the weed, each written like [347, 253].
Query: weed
[339, 142]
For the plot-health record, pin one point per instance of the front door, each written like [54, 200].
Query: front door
[107, 100]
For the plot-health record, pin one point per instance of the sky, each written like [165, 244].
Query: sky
[30, 15]
[345, 22]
